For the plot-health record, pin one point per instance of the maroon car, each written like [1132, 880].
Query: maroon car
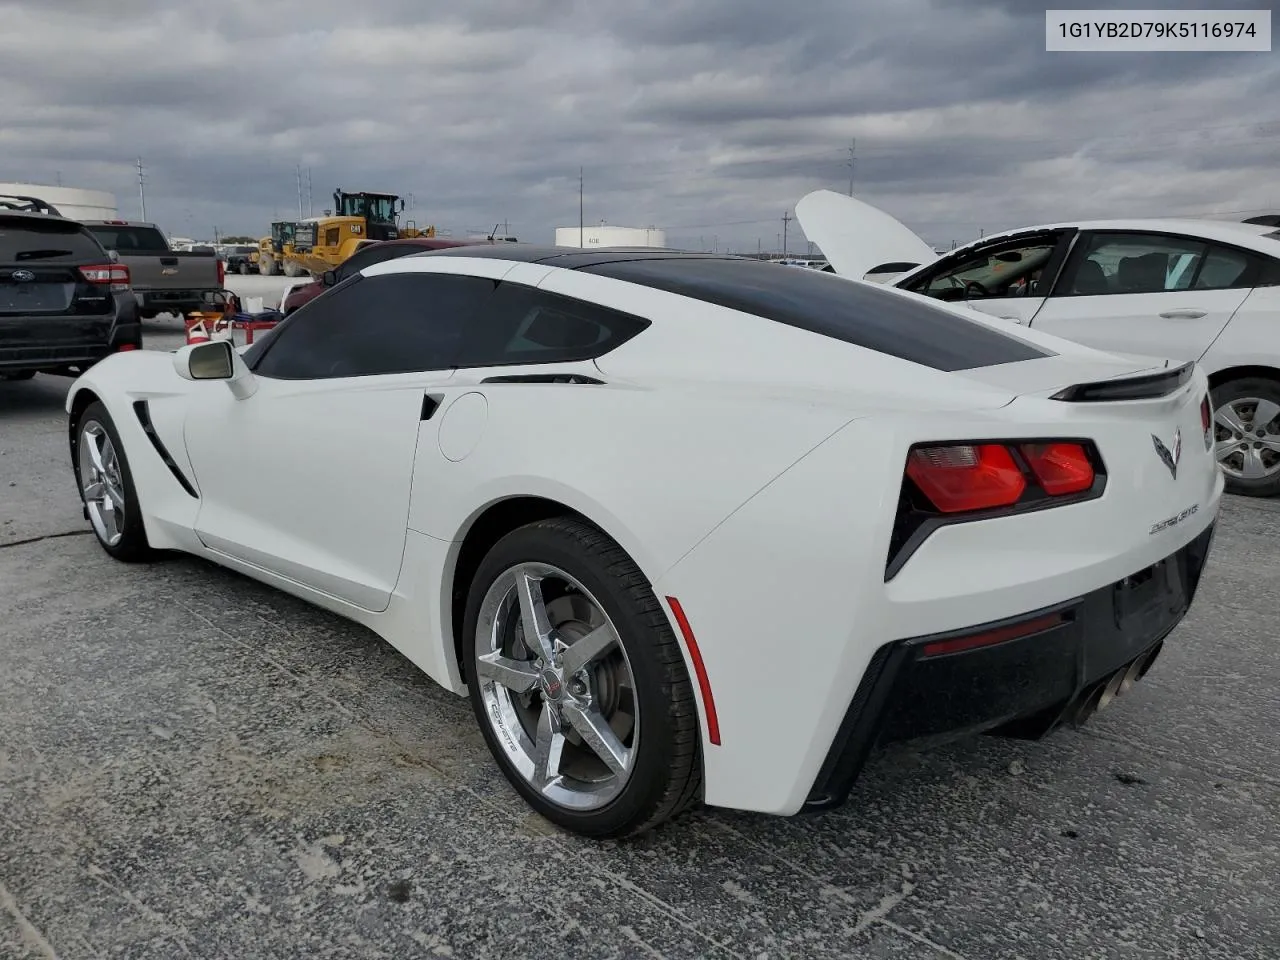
[371, 254]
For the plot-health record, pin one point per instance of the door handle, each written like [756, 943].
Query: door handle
[1183, 314]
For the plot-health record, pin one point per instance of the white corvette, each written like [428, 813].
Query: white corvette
[684, 527]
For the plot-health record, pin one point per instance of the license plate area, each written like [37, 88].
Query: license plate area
[1149, 599]
[35, 297]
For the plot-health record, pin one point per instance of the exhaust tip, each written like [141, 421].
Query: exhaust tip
[1111, 689]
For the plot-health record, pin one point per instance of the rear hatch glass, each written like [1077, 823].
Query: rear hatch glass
[39, 267]
[863, 314]
[127, 240]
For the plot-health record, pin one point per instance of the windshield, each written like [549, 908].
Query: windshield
[45, 240]
[130, 239]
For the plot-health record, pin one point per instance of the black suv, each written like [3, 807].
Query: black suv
[64, 304]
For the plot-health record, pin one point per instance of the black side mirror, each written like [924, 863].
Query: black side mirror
[329, 278]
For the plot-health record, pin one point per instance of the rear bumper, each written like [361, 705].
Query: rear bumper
[173, 301]
[1023, 676]
[67, 344]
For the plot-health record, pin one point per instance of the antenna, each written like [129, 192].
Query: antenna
[852, 146]
[310, 210]
[786, 219]
[300, 213]
[142, 190]
[582, 243]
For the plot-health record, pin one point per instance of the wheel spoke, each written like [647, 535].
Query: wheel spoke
[1264, 413]
[599, 736]
[516, 675]
[115, 496]
[587, 649]
[1254, 468]
[95, 452]
[110, 518]
[533, 614]
[95, 490]
[547, 749]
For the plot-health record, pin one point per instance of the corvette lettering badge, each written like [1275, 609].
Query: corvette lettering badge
[1169, 457]
[1191, 511]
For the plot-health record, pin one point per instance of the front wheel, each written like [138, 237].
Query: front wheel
[1246, 427]
[106, 487]
[578, 682]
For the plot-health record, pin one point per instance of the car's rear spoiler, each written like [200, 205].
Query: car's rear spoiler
[1149, 386]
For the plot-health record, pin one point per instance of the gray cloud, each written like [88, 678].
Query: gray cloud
[707, 117]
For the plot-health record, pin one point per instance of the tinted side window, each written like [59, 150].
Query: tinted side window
[1113, 263]
[1225, 269]
[521, 324]
[862, 314]
[399, 323]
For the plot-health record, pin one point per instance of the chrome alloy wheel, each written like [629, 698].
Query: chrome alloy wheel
[557, 687]
[1247, 438]
[101, 483]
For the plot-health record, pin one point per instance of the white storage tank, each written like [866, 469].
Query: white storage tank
[604, 235]
[72, 202]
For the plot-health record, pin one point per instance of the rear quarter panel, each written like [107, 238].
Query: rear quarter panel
[1252, 337]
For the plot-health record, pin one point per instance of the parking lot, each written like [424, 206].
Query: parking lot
[193, 765]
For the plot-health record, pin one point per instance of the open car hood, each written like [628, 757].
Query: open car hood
[857, 238]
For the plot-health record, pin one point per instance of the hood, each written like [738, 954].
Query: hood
[857, 238]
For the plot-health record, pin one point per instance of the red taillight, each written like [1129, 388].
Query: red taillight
[1206, 422]
[222, 272]
[114, 275]
[966, 477]
[1060, 468]
[126, 347]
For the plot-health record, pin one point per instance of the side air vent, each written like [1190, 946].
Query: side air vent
[143, 413]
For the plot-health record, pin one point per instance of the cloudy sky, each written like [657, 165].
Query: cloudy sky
[709, 118]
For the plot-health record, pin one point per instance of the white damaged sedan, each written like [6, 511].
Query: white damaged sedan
[683, 527]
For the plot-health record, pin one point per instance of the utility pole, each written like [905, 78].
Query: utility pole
[757, 248]
[300, 213]
[582, 231]
[310, 211]
[852, 146]
[142, 190]
[786, 219]
[215, 234]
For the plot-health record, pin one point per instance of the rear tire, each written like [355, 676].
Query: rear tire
[1243, 409]
[267, 266]
[106, 487]
[636, 686]
[244, 269]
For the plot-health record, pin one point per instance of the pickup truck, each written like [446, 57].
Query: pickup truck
[164, 280]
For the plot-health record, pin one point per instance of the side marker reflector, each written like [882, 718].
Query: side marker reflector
[699, 669]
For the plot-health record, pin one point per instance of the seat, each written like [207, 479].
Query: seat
[1091, 280]
[1143, 274]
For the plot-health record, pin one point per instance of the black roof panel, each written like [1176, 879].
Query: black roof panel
[571, 258]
